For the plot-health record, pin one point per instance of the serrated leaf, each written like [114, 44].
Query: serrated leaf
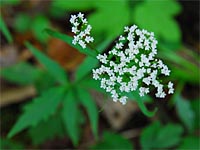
[91, 108]
[70, 116]
[38, 110]
[184, 111]
[46, 130]
[5, 31]
[147, 15]
[21, 73]
[157, 136]
[113, 141]
[52, 67]
[68, 40]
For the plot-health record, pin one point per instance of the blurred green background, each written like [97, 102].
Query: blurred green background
[176, 27]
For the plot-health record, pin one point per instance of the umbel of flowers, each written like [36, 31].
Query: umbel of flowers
[130, 65]
[81, 29]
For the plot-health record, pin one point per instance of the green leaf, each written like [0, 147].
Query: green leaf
[21, 73]
[52, 67]
[70, 117]
[140, 101]
[9, 2]
[184, 111]
[190, 143]
[90, 63]
[113, 141]
[22, 22]
[50, 129]
[86, 66]
[109, 18]
[10, 144]
[92, 84]
[44, 82]
[5, 31]
[91, 108]
[157, 136]
[38, 110]
[180, 66]
[147, 15]
[196, 109]
[72, 5]
[38, 25]
[68, 40]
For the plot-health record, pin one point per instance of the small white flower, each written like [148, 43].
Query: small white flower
[131, 65]
[171, 89]
[81, 36]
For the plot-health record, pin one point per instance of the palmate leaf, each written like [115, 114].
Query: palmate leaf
[68, 40]
[38, 110]
[70, 116]
[52, 67]
[147, 15]
[107, 22]
[91, 108]
[50, 129]
[5, 31]
[157, 136]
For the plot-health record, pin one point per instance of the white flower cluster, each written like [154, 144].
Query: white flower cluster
[81, 29]
[131, 65]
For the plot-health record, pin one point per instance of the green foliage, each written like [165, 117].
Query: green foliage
[181, 66]
[190, 143]
[70, 116]
[22, 22]
[44, 81]
[68, 40]
[71, 5]
[47, 130]
[52, 67]
[39, 23]
[140, 101]
[5, 31]
[157, 136]
[184, 111]
[92, 84]
[196, 109]
[113, 141]
[89, 104]
[90, 63]
[21, 73]
[10, 144]
[9, 2]
[147, 15]
[109, 22]
[86, 66]
[38, 110]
